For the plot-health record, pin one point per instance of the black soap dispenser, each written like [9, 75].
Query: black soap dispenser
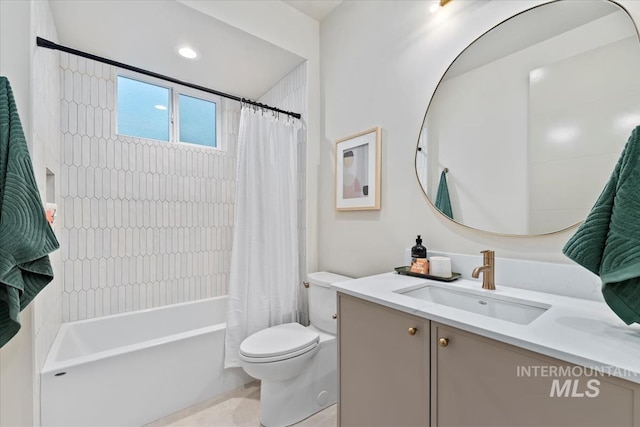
[418, 251]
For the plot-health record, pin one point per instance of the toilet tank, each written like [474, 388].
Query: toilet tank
[322, 300]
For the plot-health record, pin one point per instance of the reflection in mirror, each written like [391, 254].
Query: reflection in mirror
[531, 118]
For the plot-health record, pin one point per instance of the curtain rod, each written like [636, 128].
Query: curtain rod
[51, 45]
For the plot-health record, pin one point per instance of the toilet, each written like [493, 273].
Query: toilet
[297, 365]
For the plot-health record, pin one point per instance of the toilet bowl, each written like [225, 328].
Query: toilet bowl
[297, 365]
[280, 352]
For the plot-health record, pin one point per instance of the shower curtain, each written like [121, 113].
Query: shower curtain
[263, 277]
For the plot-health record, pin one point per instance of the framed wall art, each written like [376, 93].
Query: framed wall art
[358, 171]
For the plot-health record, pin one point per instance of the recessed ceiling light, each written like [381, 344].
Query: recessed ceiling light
[160, 107]
[187, 52]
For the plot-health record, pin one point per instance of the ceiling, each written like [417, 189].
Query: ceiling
[145, 34]
[316, 9]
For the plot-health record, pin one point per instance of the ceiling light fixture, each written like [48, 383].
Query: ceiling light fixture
[187, 52]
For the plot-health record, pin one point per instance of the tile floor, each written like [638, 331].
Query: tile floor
[238, 408]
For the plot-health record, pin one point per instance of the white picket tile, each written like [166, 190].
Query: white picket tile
[99, 303]
[91, 304]
[73, 306]
[106, 301]
[73, 117]
[86, 274]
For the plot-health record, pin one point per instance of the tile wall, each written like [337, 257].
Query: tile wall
[146, 223]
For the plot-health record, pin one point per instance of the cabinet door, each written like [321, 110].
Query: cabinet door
[478, 381]
[383, 368]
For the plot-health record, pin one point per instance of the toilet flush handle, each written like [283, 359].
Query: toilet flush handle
[305, 284]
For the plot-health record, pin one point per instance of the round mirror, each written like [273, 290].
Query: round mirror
[530, 119]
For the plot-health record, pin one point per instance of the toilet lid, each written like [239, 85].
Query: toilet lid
[278, 340]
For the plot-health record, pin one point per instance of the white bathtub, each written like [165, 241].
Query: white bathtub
[133, 368]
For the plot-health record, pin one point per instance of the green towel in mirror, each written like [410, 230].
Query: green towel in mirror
[26, 238]
[442, 197]
[608, 242]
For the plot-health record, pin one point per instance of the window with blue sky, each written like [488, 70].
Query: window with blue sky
[197, 121]
[169, 113]
[143, 109]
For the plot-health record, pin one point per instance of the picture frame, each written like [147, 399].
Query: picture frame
[357, 171]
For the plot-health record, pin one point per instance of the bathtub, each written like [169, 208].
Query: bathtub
[133, 368]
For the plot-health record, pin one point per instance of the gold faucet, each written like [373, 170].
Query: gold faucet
[488, 281]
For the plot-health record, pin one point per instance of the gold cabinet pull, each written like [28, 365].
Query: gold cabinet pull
[412, 331]
[443, 342]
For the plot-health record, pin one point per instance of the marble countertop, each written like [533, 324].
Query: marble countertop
[575, 330]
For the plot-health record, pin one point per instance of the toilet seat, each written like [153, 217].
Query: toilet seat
[278, 343]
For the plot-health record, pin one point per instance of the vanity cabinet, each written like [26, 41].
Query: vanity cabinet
[477, 381]
[445, 377]
[383, 365]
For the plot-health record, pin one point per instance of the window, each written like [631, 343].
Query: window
[197, 120]
[143, 109]
[154, 109]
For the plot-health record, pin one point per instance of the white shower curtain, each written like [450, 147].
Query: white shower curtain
[263, 279]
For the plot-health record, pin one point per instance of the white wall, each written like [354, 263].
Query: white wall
[381, 61]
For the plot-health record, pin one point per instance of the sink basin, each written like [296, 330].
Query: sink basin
[510, 309]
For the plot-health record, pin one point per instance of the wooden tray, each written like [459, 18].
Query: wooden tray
[406, 270]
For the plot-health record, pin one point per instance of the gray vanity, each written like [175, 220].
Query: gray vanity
[407, 360]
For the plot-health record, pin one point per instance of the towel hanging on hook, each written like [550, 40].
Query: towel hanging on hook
[443, 201]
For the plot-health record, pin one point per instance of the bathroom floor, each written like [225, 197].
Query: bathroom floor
[238, 408]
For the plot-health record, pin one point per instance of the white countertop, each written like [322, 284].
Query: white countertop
[575, 330]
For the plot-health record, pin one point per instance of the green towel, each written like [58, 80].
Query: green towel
[608, 242]
[442, 197]
[25, 235]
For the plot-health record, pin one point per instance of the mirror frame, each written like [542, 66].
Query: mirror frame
[418, 148]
